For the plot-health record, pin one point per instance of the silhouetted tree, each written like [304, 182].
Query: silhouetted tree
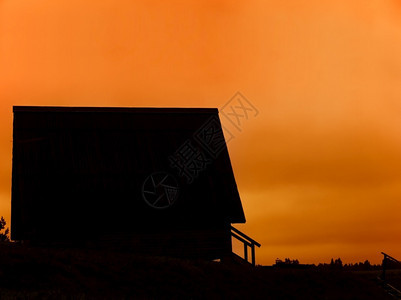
[367, 265]
[338, 263]
[4, 235]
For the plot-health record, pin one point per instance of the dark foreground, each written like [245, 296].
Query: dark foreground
[53, 273]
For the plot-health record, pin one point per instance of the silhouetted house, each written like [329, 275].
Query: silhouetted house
[153, 180]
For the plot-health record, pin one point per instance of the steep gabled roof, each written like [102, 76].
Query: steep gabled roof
[99, 163]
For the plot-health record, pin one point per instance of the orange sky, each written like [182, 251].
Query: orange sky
[319, 169]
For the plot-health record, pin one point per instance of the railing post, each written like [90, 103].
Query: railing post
[253, 254]
[384, 267]
[245, 252]
[386, 260]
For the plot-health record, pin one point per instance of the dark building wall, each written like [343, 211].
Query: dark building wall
[79, 173]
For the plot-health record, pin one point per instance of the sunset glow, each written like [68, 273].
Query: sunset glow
[318, 169]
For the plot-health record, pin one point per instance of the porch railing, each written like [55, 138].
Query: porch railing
[388, 263]
[248, 242]
[387, 258]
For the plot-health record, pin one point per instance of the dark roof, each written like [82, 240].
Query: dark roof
[135, 110]
[90, 164]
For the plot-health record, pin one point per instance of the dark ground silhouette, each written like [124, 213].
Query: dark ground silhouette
[37, 272]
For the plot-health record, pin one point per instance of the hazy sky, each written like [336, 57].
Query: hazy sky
[319, 168]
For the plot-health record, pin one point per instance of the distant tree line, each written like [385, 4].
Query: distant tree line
[287, 262]
[291, 263]
[335, 264]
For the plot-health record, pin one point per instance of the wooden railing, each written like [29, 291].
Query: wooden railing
[390, 289]
[248, 242]
[386, 259]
